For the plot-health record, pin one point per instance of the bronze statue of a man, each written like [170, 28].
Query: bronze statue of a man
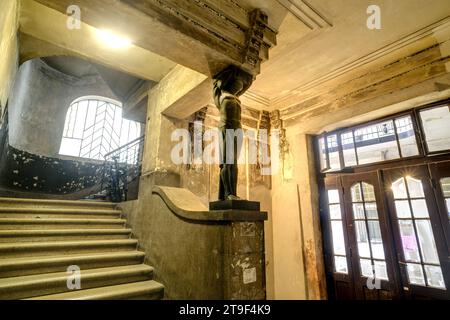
[229, 84]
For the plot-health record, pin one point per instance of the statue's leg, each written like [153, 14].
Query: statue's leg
[222, 171]
[226, 177]
[221, 184]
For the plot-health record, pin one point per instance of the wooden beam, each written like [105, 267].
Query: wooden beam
[322, 97]
[410, 85]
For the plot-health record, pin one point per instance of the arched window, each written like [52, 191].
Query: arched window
[94, 126]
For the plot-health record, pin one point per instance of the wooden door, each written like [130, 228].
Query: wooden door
[338, 265]
[372, 253]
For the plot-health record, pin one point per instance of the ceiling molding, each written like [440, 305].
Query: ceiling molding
[255, 100]
[306, 14]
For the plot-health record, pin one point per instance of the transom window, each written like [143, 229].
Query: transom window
[419, 246]
[368, 232]
[94, 127]
[388, 139]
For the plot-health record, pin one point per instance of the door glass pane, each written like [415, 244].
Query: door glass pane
[419, 208]
[447, 202]
[340, 264]
[434, 276]
[435, 125]
[426, 240]
[333, 196]
[335, 211]
[406, 136]
[367, 229]
[417, 234]
[348, 149]
[338, 237]
[409, 243]
[362, 239]
[415, 187]
[366, 268]
[358, 211]
[368, 192]
[337, 231]
[445, 184]
[371, 210]
[399, 189]
[402, 209]
[356, 193]
[415, 274]
[376, 242]
[380, 270]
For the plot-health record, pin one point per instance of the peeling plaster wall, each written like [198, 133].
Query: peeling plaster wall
[38, 105]
[25, 173]
[9, 48]
[297, 241]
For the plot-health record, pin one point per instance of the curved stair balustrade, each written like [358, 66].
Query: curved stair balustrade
[199, 253]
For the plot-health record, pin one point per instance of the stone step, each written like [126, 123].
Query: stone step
[143, 290]
[47, 203]
[62, 234]
[59, 223]
[47, 213]
[53, 283]
[14, 267]
[34, 249]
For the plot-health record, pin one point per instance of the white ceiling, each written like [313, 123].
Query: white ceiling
[303, 55]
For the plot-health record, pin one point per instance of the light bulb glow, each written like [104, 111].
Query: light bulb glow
[112, 40]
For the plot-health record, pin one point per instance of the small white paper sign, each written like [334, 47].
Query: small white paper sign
[249, 275]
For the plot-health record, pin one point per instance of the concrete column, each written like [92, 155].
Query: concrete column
[159, 127]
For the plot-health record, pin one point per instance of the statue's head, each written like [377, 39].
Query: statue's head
[233, 80]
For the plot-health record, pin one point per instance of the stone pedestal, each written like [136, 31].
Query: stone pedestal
[234, 205]
[243, 257]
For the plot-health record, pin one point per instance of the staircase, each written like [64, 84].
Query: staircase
[40, 239]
